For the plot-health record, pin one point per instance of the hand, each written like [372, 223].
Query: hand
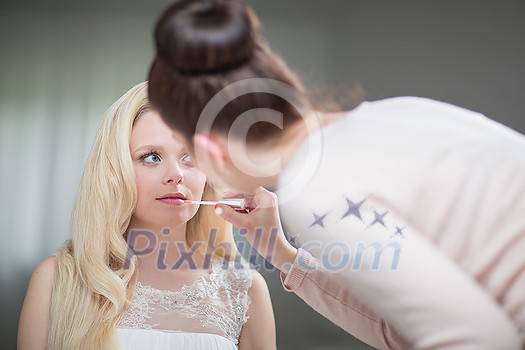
[261, 226]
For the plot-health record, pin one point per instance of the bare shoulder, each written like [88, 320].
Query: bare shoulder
[35, 315]
[46, 269]
[258, 283]
[43, 276]
[259, 294]
[258, 333]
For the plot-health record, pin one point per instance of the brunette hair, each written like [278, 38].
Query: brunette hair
[204, 46]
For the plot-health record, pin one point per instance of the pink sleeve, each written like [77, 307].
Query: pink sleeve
[444, 309]
[316, 289]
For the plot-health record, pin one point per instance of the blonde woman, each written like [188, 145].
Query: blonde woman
[144, 270]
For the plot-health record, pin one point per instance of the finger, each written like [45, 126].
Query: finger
[229, 214]
[249, 203]
[264, 198]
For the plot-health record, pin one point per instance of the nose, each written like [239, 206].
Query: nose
[174, 174]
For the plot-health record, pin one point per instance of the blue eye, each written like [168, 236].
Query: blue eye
[187, 159]
[151, 157]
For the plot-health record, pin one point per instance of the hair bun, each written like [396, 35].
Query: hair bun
[206, 36]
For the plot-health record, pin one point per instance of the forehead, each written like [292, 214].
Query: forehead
[180, 138]
[149, 128]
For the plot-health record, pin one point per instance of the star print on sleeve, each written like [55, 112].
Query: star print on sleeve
[318, 220]
[292, 240]
[353, 208]
[398, 231]
[367, 215]
[363, 212]
[378, 219]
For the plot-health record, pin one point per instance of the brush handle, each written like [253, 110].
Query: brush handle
[235, 203]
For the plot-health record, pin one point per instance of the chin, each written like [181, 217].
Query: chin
[176, 220]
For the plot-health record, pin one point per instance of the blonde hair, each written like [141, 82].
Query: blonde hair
[92, 288]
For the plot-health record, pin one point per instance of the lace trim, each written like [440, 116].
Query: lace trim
[220, 300]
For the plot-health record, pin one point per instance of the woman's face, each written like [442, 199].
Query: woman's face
[165, 176]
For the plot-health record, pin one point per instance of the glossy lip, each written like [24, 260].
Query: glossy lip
[177, 198]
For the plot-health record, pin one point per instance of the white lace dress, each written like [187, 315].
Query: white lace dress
[207, 314]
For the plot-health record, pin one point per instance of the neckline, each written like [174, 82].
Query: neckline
[214, 270]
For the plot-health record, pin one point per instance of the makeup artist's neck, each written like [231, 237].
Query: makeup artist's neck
[286, 147]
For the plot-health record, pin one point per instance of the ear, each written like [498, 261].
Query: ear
[212, 147]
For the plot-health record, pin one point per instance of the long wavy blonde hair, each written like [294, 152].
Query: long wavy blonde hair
[92, 288]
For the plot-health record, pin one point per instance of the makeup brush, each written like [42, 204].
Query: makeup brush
[235, 203]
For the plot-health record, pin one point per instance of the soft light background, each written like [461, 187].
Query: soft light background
[62, 63]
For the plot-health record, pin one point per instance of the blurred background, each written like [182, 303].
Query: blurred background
[62, 63]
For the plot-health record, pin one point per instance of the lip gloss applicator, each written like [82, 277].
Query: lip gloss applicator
[235, 203]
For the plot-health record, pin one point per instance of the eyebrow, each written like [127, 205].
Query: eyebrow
[157, 147]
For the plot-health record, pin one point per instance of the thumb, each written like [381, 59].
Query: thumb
[232, 216]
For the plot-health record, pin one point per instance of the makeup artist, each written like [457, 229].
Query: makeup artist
[408, 212]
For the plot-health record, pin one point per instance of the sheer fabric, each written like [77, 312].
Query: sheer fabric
[210, 310]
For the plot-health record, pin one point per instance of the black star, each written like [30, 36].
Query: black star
[378, 219]
[399, 231]
[318, 220]
[353, 208]
[292, 240]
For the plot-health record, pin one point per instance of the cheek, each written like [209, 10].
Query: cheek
[144, 181]
[207, 169]
[196, 181]
[140, 180]
[214, 180]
